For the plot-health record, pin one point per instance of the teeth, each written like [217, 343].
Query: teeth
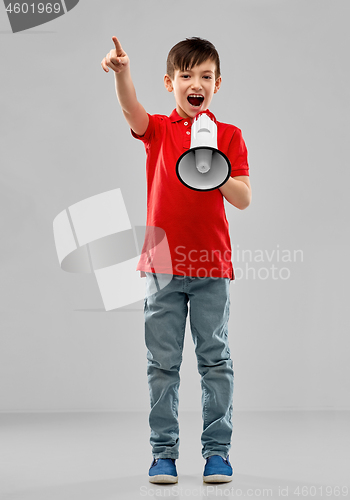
[196, 95]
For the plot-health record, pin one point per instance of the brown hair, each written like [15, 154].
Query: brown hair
[191, 52]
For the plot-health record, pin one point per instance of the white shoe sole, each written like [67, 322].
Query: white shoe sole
[217, 478]
[162, 478]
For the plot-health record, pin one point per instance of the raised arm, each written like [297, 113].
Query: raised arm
[134, 112]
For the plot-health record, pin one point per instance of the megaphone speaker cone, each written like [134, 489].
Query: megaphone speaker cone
[203, 168]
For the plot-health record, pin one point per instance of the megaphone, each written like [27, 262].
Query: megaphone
[203, 167]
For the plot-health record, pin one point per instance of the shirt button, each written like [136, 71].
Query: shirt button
[186, 123]
[188, 132]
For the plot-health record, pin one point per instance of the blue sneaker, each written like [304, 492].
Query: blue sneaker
[163, 470]
[217, 470]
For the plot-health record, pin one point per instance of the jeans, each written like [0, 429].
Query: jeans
[165, 321]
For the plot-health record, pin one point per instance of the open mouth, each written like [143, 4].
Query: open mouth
[195, 100]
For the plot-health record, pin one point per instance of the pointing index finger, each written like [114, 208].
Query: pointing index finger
[118, 46]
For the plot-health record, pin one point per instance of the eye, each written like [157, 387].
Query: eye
[185, 76]
[207, 77]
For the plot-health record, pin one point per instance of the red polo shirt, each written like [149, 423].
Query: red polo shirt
[194, 222]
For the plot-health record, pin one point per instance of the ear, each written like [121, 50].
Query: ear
[217, 84]
[168, 83]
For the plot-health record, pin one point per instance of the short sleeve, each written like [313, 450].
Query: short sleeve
[238, 155]
[153, 129]
[147, 136]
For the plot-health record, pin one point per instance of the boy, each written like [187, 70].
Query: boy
[197, 232]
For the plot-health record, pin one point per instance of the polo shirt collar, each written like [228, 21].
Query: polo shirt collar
[175, 117]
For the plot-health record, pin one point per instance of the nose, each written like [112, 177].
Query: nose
[196, 85]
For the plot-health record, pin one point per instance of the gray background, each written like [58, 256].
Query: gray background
[285, 84]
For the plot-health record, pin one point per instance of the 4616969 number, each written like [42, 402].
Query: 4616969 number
[40, 8]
